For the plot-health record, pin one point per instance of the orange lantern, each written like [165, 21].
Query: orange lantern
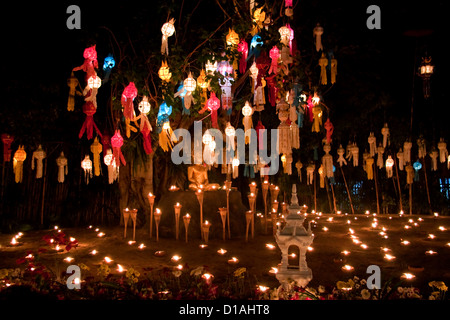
[19, 157]
[164, 72]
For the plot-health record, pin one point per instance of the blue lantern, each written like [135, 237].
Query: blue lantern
[181, 92]
[108, 64]
[254, 43]
[417, 166]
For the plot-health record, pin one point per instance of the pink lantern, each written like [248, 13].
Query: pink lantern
[89, 124]
[329, 128]
[225, 68]
[128, 95]
[274, 55]
[90, 62]
[213, 104]
[116, 144]
[243, 48]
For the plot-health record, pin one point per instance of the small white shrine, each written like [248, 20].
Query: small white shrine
[293, 240]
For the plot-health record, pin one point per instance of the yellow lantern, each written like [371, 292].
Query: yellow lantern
[232, 38]
[203, 84]
[164, 72]
[189, 83]
[19, 157]
[211, 67]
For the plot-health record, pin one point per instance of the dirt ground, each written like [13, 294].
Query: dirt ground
[332, 236]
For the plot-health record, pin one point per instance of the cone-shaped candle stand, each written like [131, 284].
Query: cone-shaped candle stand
[274, 216]
[126, 217]
[157, 220]
[199, 193]
[186, 220]
[254, 190]
[252, 202]
[223, 216]
[265, 190]
[228, 189]
[133, 215]
[205, 231]
[177, 207]
[284, 208]
[151, 200]
[248, 218]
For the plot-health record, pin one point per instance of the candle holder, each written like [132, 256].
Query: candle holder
[228, 189]
[265, 190]
[249, 218]
[151, 200]
[157, 220]
[274, 215]
[126, 217]
[186, 220]
[199, 193]
[177, 207]
[205, 231]
[133, 215]
[223, 216]
[274, 190]
[284, 208]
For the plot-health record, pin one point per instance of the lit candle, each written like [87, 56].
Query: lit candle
[408, 276]
[141, 246]
[430, 252]
[270, 246]
[108, 259]
[221, 251]
[345, 252]
[120, 268]
[186, 220]
[68, 259]
[405, 242]
[175, 258]
[13, 241]
[389, 257]
[233, 260]
[347, 268]
[273, 270]
[94, 252]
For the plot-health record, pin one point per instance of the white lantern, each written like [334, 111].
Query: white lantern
[86, 164]
[207, 138]
[167, 30]
[94, 82]
[144, 106]
[189, 83]
[211, 67]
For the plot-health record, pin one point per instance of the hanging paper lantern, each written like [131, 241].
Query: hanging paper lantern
[94, 82]
[109, 63]
[7, 140]
[260, 129]
[409, 174]
[90, 93]
[145, 126]
[89, 110]
[259, 16]
[211, 67]
[243, 49]
[226, 97]
[128, 95]
[203, 83]
[19, 157]
[333, 69]
[96, 149]
[380, 151]
[213, 104]
[389, 167]
[407, 145]
[253, 75]
[274, 54]
[72, 82]
[443, 153]
[255, 46]
[310, 173]
[434, 155]
[385, 133]
[106, 141]
[167, 31]
[247, 111]
[401, 159]
[207, 138]
[422, 151]
[353, 153]
[225, 68]
[232, 38]
[317, 33]
[273, 90]
[39, 155]
[86, 164]
[113, 173]
[417, 166]
[166, 137]
[164, 72]
[63, 168]
[189, 85]
[372, 140]
[116, 144]
[329, 127]
[90, 62]
[299, 166]
[323, 63]
[235, 165]
[317, 113]
[369, 168]
[288, 11]
[230, 133]
[327, 162]
[341, 160]
[285, 34]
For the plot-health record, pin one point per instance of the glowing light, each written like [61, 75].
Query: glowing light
[345, 252]
[273, 270]
[263, 288]
[141, 246]
[310, 249]
[364, 246]
[120, 268]
[347, 268]
[431, 236]
[131, 242]
[175, 258]
[94, 252]
[408, 276]
[385, 249]
[389, 257]
[325, 229]
[270, 246]
[207, 276]
[100, 234]
[13, 241]
[405, 242]
[233, 260]
[221, 251]
[108, 260]
[442, 228]
[68, 259]
[430, 252]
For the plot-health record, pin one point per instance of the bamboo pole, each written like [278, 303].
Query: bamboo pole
[315, 192]
[334, 198]
[398, 183]
[328, 193]
[43, 192]
[426, 185]
[348, 191]
[376, 187]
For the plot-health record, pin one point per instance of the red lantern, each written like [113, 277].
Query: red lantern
[243, 48]
[89, 124]
[213, 104]
[117, 143]
[90, 62]
[128, 95]
[7, 141]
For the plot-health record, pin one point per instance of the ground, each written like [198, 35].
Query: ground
[332, 236]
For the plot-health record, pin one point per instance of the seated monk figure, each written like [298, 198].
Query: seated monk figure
[198, 176]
